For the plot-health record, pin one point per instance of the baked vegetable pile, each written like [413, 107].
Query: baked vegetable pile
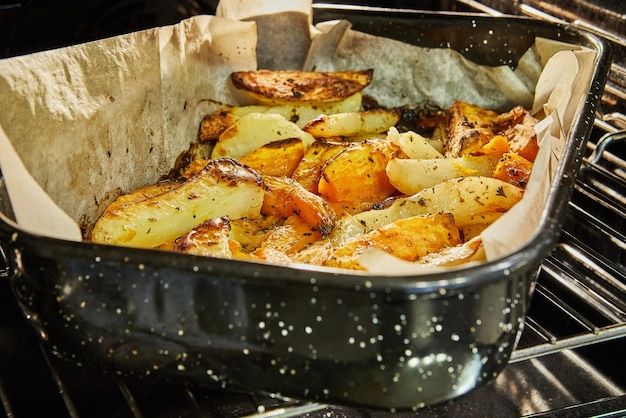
[315, 172]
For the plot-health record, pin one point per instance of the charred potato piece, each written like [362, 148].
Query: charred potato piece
[518, 127]
[214, 124]
[280, 87]
[210, 238]
[222, 188]
[470, 127]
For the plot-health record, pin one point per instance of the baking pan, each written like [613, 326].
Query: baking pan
[311, 333]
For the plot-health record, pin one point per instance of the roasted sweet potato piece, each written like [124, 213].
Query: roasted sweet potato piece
[497, 146]
[286, 197]
[278, 158]
[358, 173]
[286, 86]
[309, 170]
[408, 239]
[513, 169]
[221, 188]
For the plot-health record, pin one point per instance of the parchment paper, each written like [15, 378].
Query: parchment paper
[92, 121]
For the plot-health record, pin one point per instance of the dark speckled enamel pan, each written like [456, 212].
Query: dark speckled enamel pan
[389, 342]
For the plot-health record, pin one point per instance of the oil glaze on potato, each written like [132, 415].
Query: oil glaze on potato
[222, 188]
[255, 130]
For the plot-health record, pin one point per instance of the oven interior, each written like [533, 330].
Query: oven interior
[568, 361]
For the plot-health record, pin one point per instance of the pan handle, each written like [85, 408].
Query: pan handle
[606, 140]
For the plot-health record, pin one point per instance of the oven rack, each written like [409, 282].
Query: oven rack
[583, 281]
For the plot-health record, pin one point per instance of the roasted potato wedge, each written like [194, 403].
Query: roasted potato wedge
[255, 130]
[214, 124]
[471, 200]
[408, 239]
[222, 188]
[250, 233]
[292, 236]
[281, 87]
[410, 176]
[349, 124]
[413, 144]
[471, 250]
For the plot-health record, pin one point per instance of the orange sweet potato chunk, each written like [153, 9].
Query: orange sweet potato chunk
[278, 158]
[357, 174]
[513, 169]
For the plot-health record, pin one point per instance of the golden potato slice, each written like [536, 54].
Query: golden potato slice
[223, 188]
[278, 158]
[410, 176]
[349, 124]
[280, 87]
[358, 174]
[471, 200]
[255, 130]
[286, 197]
